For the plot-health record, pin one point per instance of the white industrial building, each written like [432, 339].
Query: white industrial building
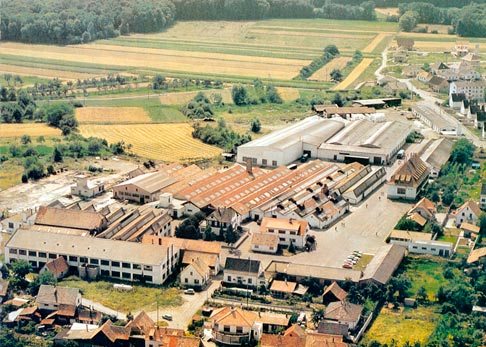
[436, 121]
[329, 139]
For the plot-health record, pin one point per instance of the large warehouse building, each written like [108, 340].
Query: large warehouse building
[329, 139]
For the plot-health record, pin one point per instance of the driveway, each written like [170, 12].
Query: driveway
[103, 309]
[182, 315]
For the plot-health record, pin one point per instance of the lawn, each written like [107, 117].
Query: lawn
[412, 325]
[141, 297]
[426, 272]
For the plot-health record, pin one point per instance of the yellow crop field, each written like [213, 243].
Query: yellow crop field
[323, 73]
[31, 129]
[168, 60]
[118, 115]
[288, 94]
[353, 76]
[180, 98]
[374, 43]
[46, 73]
[167, 142]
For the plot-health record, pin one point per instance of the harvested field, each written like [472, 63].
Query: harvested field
[288, 94]
[353, 76]
[167, 142]
[323, 73]
[376, 41]
[46, 73]
[117, 115]
[180, 98]
[31, 129]
[429, 46]
[167, 60]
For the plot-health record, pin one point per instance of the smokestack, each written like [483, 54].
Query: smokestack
[249, 166]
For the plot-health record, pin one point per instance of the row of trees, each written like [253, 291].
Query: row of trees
[220, 135]
[329, 53]
[336, 10]
[467, 21]
[61, 22]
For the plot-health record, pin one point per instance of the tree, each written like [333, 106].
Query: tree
[239, 94]
[21, 268]
[45, 277]
[422, 296]
[159, 82]
[25, 139]
[407, 224]
[255, 125]
[482, 224]
[57, 155]
[332, 50]
[336, 75]
[272, 95]
[230, 235]
[189, 228]
[408, 21]
[317, 316]
[292, 247]
[462, 152]
[337, 99]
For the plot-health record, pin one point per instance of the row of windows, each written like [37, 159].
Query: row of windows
[73, 258]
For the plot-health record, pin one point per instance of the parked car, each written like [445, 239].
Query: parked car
[167, 316]
[189, 291]
[347, 266]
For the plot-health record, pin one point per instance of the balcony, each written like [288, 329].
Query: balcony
[231, 338]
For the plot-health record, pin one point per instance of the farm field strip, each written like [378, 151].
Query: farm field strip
[375, 42]
[180, 98]
[309, 34]
[353, 76]
[439, 46]
[328, 31]
[31, 129]
[46, 73]
[286, 70]
[168, 142]
[323, 73]
[117, 115]
[352, 25]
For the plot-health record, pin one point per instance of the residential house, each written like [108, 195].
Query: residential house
[264, 243]
[411, 71]
[343, 312]
[474, 90]
[222, 218]
[295, 336]
[461, 48]
[437, 68]
[234, 326]
[3, 289]
[476, 255]
[405, 43]
[285, 289]
[438, 84]
[19, 220]
[400, 56]
[196, 274]
[405, 237]
[57, 267]
[243, 272]
[207, 251]
[456, 100]
[50, 298]
[470, 231]
[333, 293]
[482, 198]
[424, 208]
[467, 212]
[478, 114]
[472, 59]
[424, 76]
[85, 188]
[289, 231]
[408, 180]
[92, 256]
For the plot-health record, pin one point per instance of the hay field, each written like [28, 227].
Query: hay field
[167, 142]
[353, 76]
[180, 98]
[323, 73]
[46, 73]
[443, 46]
[375, 42]
[288, 94]
[117, 115]
[31, 129]
[167, 60]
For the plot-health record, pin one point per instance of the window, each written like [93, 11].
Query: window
[94, 261]
[137, 277]
[137, 267]
[281, 231]
[52, 256]
[249, 280]
[22, 252]
[115, 274]
[433, 249]
[126, 275]
[226, 329]
[239, 330]
[264, 162]
[105, 262]
[147, 268]
[12, 251]
[256, 246]
[401, 191]
[42, 255]
[414, 247]
[105, 273]
[196, 281]
[229, 278]
[274, 163]
[424, 248]
[73, 258]
[115, 264]
[32, 254]
[10, 225]
[148, 278]
[83, 259]
[126, 265]
[282, 239]
[186, 280]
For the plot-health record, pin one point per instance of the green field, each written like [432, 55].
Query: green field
[141, 297]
